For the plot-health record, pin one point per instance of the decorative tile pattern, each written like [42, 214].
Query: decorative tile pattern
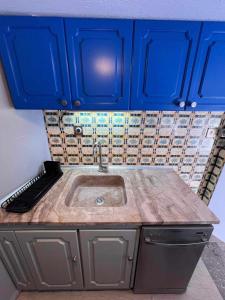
[215, 163]
[177, 139]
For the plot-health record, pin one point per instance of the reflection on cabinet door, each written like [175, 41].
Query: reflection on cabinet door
[99, 55]
[53, 257]
[107, 257]
[14, 262]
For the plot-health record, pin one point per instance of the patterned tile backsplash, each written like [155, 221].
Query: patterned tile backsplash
[182, 140]
[214, 165]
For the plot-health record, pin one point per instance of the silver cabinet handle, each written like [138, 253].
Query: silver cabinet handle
[76, 103]
[148, 241]
[130, 258]
[75, 258]
[63, 102]
[194, 104]
[181, 104]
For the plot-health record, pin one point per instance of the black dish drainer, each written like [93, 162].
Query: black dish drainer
[26, 197]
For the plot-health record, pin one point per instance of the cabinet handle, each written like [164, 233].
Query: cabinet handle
[150, 242]
[193, 104]
[181, 104]
[76, 103]
[130, 258]
[63, 102]
[75, 258]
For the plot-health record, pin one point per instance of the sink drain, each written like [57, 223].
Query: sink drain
[99, 201]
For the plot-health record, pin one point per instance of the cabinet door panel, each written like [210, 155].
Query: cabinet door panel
[33, 53]
[99, 54]
[54, 258]
[13, 259]
[105, 255]
[164, 53]
[208, 83]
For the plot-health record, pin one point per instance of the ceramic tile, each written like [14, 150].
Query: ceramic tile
[102, 131]
[133, 141]
[71, 140]
[73, 160]
[134, 131]
[118, 130]
[148, 141]
[87, 141]
[152, 121]
[178, 139]
[147, 151]
[56, 150]
[87, 131]
[72, 150]
[117, 150]
[135, 121]
[55, 140]
[161, 151]
[68, 130]
[132, 150]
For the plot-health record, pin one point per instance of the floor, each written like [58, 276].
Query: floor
[200, 287]
[214, 259]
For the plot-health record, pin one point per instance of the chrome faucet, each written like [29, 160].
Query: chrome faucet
[101, 167]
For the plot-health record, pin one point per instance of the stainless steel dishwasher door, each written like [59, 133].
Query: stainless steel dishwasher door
[168, 256]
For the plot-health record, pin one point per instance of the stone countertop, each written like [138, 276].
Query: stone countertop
[154, 196]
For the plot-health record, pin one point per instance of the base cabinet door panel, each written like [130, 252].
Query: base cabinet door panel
[13, 259]
[107, 257]
[164, 53]
[53, 257]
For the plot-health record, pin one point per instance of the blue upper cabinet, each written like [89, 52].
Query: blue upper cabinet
[99, 55]
[164, 53]
[208, 83]
[101, 64]
[33, 53]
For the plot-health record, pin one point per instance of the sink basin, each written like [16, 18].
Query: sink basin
[95, 191]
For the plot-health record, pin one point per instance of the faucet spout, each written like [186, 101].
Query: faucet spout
[101, 167]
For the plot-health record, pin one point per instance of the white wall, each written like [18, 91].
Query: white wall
[23, 143]
[23, 148]
[217, 205]
[141, 9]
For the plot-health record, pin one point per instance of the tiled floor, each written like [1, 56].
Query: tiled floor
[214, 259]
[201, 287]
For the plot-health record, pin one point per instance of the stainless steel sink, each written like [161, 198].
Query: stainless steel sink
[97, 191]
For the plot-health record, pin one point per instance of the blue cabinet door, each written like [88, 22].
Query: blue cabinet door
[33, 54]
[99, 55]
[208, 82]
[164, 53]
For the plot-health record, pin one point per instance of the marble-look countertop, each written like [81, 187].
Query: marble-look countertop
[154, 196]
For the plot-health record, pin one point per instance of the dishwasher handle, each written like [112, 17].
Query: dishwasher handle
[150, 242]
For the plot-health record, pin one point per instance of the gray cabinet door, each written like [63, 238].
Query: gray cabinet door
[107, 257]
[53, 257]
[14, 261]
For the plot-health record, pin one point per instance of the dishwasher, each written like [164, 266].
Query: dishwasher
[167, 257]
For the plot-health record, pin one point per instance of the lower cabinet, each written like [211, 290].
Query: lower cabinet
[53, 257]
[12, 258]
[107, 257]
